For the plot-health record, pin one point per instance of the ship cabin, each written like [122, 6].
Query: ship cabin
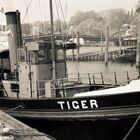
[34, 73]
[38, 69]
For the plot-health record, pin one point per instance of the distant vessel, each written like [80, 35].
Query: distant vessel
[37, 88]
[129, 57]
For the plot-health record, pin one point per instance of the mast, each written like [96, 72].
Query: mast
[52, 42]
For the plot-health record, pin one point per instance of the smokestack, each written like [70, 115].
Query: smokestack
[15, 36]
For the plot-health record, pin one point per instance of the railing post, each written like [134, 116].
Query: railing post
[89, 78]
[102, 78]
[63, 87]
[128, 77]
[115, 78]
[37, 89]
[79, 79]
[94, 80]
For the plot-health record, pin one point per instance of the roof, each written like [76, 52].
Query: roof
[133, 86]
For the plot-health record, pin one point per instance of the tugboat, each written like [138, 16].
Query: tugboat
[37, 86]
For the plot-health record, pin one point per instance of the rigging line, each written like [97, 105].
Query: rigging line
[66, 9]
[77, 69]
[63, 16]
[41, 17]
[27, 9]
[21, 106]
[132, 128]
[59, 23]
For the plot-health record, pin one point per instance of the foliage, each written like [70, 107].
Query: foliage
[38, 27]
[90, 23]
[26, 28]
[118, 17]
[95, 23]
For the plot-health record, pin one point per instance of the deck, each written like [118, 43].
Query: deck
[13, 129]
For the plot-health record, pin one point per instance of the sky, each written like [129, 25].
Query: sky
[39, 9]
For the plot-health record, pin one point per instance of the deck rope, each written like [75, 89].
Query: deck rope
[21, 106]
[132, 128]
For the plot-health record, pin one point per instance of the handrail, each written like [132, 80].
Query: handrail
[88, 80]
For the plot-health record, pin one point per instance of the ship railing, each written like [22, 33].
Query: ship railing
[100, 80]
[90, 79]
[113, 78]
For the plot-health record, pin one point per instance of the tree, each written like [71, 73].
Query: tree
[138, 6]
[85, 22]
[77, 18]
[118, 17]
[26, 28]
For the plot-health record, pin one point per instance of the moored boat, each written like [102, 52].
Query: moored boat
[30, 90]
[37, 87]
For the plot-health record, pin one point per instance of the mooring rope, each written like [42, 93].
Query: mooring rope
[132, 128]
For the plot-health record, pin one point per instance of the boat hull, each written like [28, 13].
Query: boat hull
[111, 129]
[84, 108]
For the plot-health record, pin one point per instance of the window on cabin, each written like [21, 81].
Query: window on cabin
[48, 55]
[21, 55]
[31, 57]
[60, 55]
[41, 55]
[14, 87]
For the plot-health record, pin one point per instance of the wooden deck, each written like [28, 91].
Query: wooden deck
[13, 129]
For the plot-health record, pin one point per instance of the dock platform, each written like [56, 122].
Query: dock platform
[12, 129]
[94, 53]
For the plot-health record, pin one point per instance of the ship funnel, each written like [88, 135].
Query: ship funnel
[14, 36]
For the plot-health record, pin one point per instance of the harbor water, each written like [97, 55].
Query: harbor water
[122, 71]
[95, 67]
[98, 67]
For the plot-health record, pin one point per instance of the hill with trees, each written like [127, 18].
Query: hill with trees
[90, 23]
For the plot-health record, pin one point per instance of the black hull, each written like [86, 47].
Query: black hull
[108, 117]
[104, 114]
[85, 108]
[88, 130]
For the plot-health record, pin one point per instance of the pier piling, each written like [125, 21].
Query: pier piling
[138, 49]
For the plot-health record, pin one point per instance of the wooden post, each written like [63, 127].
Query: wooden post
[73, 49]
[52, 42]
[120, 42]
[78, 46]
[107, 45]
[53, 47]
[101, 46]
[72, 54]
[30, 76]
[138, 49]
